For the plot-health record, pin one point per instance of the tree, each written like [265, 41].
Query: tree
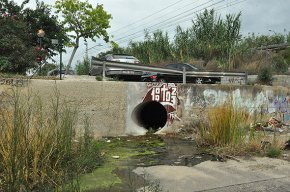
[182, 44]
[213, 37]
[20, 50]
[16, 52]
[42, 18]
[82, 20]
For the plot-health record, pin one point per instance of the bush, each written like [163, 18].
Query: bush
[99, 78]
[273, 152]
[265, 76]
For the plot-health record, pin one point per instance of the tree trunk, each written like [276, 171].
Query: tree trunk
[72, 55]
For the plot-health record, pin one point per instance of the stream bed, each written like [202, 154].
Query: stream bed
[124, 154]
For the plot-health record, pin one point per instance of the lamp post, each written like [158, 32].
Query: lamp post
[59, 43]
[40, 35]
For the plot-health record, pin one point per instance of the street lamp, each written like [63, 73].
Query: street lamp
[40, 35]
[59, 43]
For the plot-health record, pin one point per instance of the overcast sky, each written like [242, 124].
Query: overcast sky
[131, 17]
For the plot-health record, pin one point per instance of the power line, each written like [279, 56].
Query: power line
[162, 16]
[142, 19]
[166, 21]
[188, 19]
[155, 13]
[169, 23]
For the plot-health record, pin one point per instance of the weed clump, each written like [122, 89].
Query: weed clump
[39, 147]
[273, 152]
[226, 125]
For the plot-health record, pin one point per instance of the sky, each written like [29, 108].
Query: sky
[132, 17]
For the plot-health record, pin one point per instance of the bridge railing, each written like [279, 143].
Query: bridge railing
[226, 77]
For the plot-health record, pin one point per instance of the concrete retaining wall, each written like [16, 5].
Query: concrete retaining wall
[111, 105]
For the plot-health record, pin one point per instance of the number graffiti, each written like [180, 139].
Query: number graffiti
[167, 95]
[13, 82]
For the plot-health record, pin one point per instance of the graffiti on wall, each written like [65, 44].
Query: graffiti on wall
[167, 95]
[13, 82]
[233, 80]
[264, 102]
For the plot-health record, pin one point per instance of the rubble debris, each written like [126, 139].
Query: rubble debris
[218, 158]
[287, 145]
[232, 158]
[272, 125]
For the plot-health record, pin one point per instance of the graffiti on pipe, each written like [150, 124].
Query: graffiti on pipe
[167, 95]
[13, 82]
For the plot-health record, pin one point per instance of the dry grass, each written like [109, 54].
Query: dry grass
[228, 131]
[226, 125]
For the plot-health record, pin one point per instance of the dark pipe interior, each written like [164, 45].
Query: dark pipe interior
[150, 114]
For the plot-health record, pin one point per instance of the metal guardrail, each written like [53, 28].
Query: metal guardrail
[140, 67]
[274, 46]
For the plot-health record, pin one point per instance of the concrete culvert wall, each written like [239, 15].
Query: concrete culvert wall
[150, 114]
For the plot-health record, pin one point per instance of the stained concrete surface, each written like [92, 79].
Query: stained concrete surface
[257, 174]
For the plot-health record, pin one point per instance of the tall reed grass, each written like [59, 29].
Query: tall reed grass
[226, 125]
[39, 149]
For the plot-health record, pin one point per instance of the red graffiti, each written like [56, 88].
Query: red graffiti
[167, 95]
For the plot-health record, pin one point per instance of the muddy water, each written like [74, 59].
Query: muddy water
[176, 151]
[173, 151]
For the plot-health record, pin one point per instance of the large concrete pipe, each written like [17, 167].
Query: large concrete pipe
[150, 115]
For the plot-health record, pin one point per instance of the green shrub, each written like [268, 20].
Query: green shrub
[99, 78]
[273, 152]
[265, 76]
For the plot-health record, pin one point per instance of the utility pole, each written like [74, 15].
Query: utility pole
[87, 50]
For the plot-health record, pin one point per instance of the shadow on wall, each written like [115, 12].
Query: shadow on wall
[150, 115]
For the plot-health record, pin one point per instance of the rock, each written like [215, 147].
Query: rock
[285, 155]
[108, 141]
[280, 130]
[115, 157]
[218, 158]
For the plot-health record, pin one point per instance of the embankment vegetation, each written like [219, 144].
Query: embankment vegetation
[40, 147]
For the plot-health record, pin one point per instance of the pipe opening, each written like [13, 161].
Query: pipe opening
[150, 114]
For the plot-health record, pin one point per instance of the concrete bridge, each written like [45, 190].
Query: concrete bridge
[130, 108]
